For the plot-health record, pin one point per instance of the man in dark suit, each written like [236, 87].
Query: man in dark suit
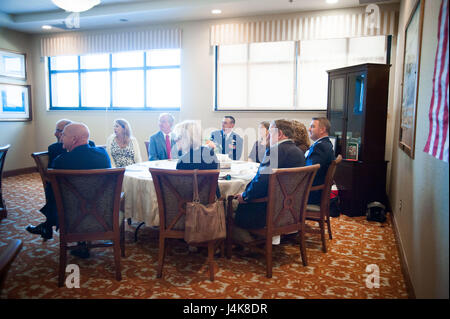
[56, 149]
[321, 152]
[227, 141]
[283, 153]
[161, 145]
[79, 155]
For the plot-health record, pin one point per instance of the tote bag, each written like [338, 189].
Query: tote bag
[204, 222]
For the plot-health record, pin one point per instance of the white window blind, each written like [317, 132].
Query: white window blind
[307, 27]
[110, 42]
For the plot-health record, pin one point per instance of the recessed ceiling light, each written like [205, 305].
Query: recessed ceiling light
[332, 1]
[123, 20]
[216, 11]
[46, 27]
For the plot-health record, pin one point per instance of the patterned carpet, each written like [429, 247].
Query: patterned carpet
[340, 273]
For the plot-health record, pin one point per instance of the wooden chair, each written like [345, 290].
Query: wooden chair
[288, 192]
[6, 259]
[321, 213]
[173, 189]
[88, 204]
[3, 151]
[41, 159]
[146, 146]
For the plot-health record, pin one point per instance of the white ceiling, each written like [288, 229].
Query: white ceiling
[29, 15]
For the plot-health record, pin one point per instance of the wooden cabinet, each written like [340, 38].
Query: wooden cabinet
[357, 110]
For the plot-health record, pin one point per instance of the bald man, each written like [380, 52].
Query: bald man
[79, 155]
[56, 149]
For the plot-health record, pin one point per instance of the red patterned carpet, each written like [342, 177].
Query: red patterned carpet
[340, 273]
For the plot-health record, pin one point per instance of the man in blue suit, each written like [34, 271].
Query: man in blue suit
[161, 145]
[79, 155]
[321, 152]
[283, 153]
[227, 141]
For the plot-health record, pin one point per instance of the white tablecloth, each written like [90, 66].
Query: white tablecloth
[141, 204]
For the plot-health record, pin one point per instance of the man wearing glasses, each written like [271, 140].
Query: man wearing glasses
[227, 141]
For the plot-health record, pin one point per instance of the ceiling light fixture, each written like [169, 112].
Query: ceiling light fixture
[76, 6]
[216, 11]
[46, 27]
[332, 1]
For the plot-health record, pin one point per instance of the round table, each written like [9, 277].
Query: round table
[141, 204]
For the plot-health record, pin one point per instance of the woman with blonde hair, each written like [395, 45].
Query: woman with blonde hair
[301, 136]
[122, 146]
[193, 154]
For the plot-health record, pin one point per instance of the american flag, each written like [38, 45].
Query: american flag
[437, 143]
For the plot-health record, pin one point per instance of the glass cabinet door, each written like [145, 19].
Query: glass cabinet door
[337, 112]
[355, 112]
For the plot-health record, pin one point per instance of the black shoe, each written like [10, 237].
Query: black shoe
[82, 251]
[42, 229]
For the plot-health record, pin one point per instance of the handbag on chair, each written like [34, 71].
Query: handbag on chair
[204, 222]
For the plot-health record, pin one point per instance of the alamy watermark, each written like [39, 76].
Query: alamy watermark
[373, 278]
[73, 279]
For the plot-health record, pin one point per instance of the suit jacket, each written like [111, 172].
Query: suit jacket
[233, 144]
[253, 215]
[157, 147]
[56, 149]
[321, 152]
[81, 157]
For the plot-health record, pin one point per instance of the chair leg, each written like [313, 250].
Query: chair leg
[122, 238]
[62, 263]
[211, 246]
[269, 256]
[161, 255]
[303, 248]
[117, 259]
[329, 228]
[322, 235]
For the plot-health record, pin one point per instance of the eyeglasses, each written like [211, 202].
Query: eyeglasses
[58, 130]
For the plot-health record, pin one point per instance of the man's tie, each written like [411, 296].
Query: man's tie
[223, 142]
[168, 147]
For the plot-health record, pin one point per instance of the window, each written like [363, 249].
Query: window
[125, 80]
[287, 75]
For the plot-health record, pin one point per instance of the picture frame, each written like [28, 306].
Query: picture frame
[13, 65]
[411, 71]
[352, 151]
[15, 102]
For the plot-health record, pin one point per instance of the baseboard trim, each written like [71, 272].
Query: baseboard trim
[403, 263]
[20, 171]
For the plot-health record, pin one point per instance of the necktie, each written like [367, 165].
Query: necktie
[223, 142]
[168, 147]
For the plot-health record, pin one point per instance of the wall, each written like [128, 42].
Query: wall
[419, 187]
[18, 134]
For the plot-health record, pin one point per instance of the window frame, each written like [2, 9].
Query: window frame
[296, 108]
[79, 71]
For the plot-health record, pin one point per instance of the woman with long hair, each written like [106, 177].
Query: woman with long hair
[122, 146]
[301, 136]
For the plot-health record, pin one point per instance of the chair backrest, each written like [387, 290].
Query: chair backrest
[6, 259]
[329, 178]
[88, 202]
[3, 151]
[146, 145]
[288, 194]
[41, 159]
[174, 188]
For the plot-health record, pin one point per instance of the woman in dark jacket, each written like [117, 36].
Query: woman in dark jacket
[262, 144]
[193, 154]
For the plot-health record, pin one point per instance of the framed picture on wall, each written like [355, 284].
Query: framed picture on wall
[15, 102]
[12, 65]
[411, 68]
